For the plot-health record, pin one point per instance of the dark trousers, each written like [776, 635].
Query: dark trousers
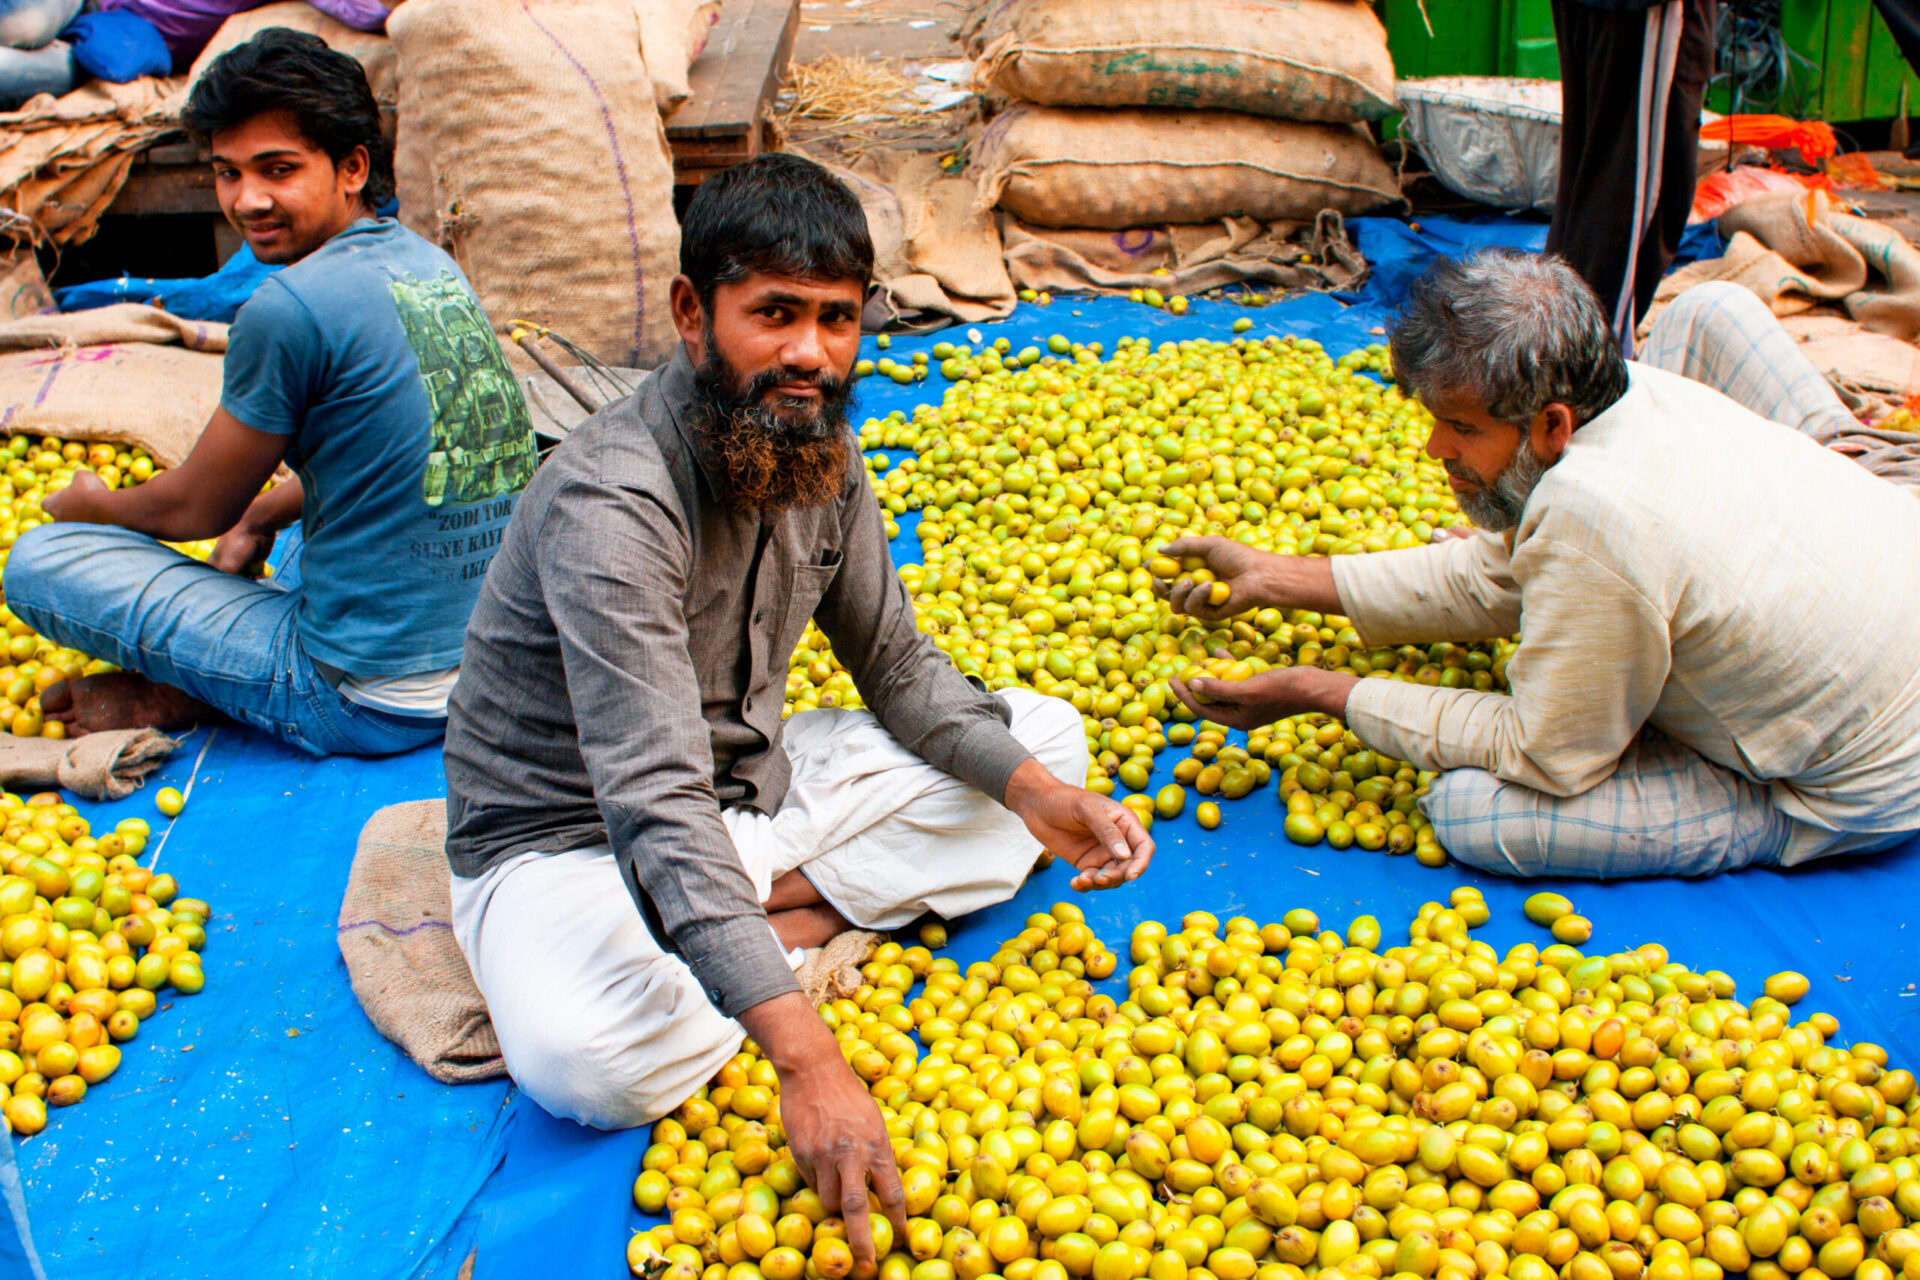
[1603, 168]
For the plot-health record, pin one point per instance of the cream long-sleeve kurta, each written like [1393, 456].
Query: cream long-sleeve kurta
[1690, 565]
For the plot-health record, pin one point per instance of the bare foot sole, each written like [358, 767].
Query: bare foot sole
[805, 927]
[120, 700]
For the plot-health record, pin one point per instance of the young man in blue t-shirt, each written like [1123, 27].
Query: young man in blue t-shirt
[367, 367]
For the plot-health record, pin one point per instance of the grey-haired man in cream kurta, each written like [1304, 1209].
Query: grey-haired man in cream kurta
[1718, 607]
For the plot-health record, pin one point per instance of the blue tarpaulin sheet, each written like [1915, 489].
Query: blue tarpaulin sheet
[264, 1128]
[216, 297]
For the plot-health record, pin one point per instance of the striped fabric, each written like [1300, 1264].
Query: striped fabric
[1664, 811]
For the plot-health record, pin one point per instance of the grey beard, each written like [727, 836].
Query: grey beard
[1499, 507]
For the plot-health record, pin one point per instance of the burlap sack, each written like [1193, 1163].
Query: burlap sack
[63, 160]
[1190, 259]
[1111, 169]
[109, 765]
[23, 290]
[373, 51]
[159, 397]
[119, 322]
[571, 226]
[1797, 251]
[396, 935]
[672, 34]
[833, 971]
[1296, 59]
[936, 251]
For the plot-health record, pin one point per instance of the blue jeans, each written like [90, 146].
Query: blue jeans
[227, 641]
[31, 60]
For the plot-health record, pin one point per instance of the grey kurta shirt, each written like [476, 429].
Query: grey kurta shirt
[625, 672]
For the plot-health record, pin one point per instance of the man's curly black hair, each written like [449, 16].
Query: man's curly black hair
[293, 71]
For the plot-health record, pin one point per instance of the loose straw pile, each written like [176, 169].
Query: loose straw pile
[840, 90]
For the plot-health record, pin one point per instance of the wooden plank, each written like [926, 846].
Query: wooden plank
[735, 80]
[1844, 87]
[152, 188]
[1803, 26]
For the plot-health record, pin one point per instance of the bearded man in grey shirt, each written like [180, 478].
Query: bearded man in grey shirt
[637, 842]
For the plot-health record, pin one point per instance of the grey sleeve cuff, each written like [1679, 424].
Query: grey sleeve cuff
[987, 757]
[738, 963]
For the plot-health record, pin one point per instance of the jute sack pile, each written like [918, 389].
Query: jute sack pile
[1088, 167]
[1797, 251]
[158, 397]
[1191, 259]
[672, 34]
[572, 225]
[1321, 60]
[936, 253]
[396, 936]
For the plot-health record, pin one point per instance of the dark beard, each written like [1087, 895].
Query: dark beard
[778, 454]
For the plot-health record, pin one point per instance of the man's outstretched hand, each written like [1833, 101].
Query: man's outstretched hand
[833, 1126]
[1244, 569]
[1102, 839]
[1269, 696]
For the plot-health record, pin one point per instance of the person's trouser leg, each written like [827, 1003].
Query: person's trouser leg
[1622, 155]
[32, 24]
[885, 837]
[227, 641]
[1724, 336]
[597, 1023]
[1665, 811]
[26, 73]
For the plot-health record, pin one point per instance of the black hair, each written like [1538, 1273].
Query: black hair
[326, 91]
[781, 214]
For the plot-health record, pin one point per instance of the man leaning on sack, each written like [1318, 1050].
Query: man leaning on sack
[637, 841]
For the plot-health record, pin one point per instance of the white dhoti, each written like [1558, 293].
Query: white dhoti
[598, 1023]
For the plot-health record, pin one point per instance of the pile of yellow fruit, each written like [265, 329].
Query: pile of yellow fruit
[1279, 1102]
[1048, 480]
[30, 469]
[87, 937]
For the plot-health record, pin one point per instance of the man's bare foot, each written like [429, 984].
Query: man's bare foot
[791, 890]
[805, 927]
[120, 700]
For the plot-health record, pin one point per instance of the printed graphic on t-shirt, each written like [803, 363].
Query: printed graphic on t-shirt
[482, 434]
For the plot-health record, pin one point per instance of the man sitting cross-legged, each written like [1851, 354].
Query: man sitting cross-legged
[636, 840]
[1717, 608]
[368, 367]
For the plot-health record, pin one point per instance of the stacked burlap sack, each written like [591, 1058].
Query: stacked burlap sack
[1228, 131]
[571, 227]
[531, 149]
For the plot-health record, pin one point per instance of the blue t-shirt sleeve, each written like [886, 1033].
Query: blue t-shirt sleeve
[275, 357]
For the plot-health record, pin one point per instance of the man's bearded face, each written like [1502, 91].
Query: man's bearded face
[777, 451]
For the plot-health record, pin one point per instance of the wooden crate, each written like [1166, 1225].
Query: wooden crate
[729, 117]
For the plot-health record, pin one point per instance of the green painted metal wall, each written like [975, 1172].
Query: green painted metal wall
[1856, 71]
[1472, 38]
